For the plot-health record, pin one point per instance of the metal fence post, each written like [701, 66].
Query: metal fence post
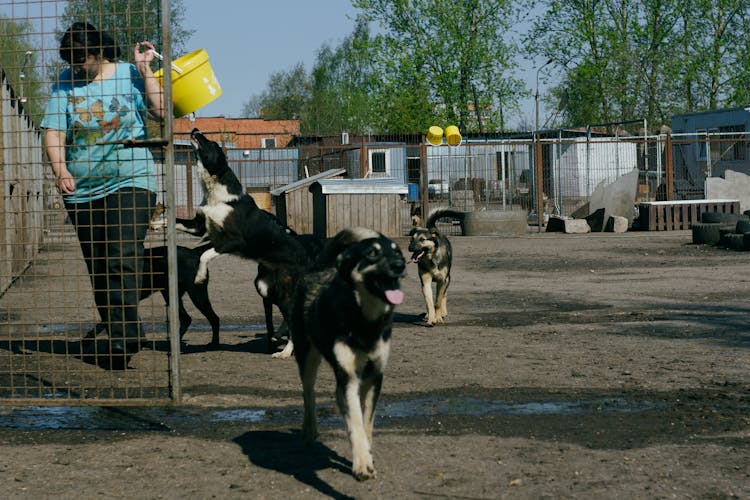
[539, 182]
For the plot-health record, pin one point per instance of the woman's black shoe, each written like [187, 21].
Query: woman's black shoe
[119, 355]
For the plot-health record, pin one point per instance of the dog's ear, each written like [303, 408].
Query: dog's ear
[347, 259]
[353, 254]
[434, 233]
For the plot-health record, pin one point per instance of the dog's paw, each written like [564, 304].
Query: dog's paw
[199, 279]
[286, 353]
[363, 468]
[429, 321]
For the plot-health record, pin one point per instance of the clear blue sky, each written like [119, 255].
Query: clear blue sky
[247, 41]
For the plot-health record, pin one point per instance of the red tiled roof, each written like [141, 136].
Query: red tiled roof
[246, 133]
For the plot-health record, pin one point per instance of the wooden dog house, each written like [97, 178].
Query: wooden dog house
[372, 203]
[293, 203]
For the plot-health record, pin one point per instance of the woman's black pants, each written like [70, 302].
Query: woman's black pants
[111, 232]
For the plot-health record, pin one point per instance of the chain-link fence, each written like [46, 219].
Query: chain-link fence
[82, 242]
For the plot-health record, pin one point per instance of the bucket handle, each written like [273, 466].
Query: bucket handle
[160, 57]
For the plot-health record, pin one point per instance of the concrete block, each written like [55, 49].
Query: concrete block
[577, 226]
[496, 223]
[616, 198]
[616, 224]
[734, 186]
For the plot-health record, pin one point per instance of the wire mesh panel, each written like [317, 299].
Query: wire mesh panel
[82, 243]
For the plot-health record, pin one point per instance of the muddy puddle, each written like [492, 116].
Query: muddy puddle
[389, 413]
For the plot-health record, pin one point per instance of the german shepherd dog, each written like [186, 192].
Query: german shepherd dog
[432, 252]
[155, 278]
[232, 221]
[344, 313]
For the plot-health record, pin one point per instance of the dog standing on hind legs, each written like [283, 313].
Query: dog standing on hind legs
[432, 252]
[344, 313]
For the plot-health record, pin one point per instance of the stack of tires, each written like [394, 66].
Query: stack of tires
[725, 230]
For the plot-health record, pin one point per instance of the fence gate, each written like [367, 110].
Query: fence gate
[55, 343]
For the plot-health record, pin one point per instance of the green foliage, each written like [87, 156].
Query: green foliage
[453, 62]
[18, 61]
[130, 21]
[431, 63]
[343, 82]
[448, 52]
[287, 94]
[625, 60]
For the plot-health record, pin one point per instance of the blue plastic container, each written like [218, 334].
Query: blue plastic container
[413, 192]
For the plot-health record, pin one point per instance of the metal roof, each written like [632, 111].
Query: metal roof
[382, 185]
[308, 180]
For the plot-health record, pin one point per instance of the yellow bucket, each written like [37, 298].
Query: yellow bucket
[452, 135]
[194, 83]
[435, 135]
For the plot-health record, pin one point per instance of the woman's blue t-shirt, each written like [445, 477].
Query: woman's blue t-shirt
[102, 112]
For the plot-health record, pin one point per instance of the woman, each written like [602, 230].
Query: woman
[98, 104]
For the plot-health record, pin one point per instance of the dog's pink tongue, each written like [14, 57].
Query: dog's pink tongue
[395, 297]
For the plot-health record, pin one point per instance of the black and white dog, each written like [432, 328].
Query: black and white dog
[276, 288]
[188, 262]
[231, 220]
[155, 278]
[432, 252]
[343, 313]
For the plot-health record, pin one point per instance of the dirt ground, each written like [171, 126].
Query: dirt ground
[571, 366]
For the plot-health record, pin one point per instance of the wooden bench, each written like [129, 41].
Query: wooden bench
[677, 215]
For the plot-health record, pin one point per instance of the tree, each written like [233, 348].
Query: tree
[455, 49]
[131, 21]
[716, 38]
[287, 94]
[580, 36]
[344, 83]
[18, 61]
[626, 60]
[336, 96]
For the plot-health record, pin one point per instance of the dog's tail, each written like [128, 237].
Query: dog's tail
[444, 213]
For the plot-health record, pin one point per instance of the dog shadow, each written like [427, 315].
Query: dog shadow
[93, 351]
[254, 345]
[285, 452]
[413, 319]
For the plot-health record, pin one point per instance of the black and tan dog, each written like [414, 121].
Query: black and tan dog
[432, 252]
[344, 314]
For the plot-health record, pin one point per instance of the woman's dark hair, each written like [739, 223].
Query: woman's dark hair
[83, 39]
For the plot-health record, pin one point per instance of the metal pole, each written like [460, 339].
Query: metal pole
[423, 180]
[536, 95]
[537, 170]
[538, 183]
[169, 200]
